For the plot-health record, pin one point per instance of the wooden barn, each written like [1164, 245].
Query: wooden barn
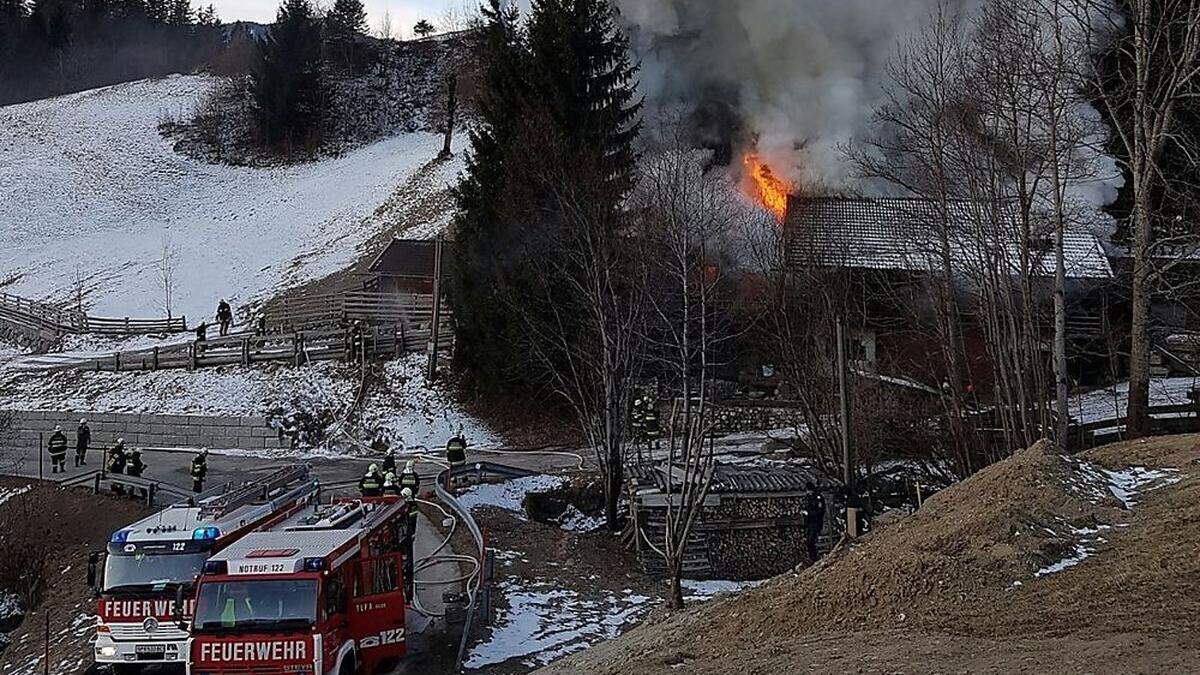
[406, 266]
[751, 526]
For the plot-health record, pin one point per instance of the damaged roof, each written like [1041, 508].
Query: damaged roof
[903, 234]
[738, 478]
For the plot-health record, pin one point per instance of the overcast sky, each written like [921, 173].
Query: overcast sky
[405, 13]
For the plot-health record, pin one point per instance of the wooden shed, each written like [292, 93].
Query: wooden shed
[405, 266]
[751, 526]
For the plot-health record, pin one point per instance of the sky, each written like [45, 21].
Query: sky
[405, 13]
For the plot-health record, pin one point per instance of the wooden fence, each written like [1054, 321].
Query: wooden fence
[339, 309]
[55, 322]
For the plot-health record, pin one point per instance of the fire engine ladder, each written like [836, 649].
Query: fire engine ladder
[250, 492]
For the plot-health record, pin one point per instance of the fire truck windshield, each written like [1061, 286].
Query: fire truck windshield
[151, 572]
[256, 605]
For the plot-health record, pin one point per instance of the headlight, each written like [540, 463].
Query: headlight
[107, 651]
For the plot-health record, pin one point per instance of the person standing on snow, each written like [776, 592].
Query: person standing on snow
[199, 471]
[83, 438]
[224, 316]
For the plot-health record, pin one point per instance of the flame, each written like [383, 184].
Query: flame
[770, 191]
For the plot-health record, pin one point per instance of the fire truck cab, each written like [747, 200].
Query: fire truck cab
[152, 565]
[320, 592]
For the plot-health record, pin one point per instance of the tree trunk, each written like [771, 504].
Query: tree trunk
[1139, 328]
[675, 592]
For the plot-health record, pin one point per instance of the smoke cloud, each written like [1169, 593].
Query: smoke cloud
[801, 75]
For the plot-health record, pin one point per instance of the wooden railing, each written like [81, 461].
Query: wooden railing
[41, 316]
[339, 309]
[128, 326]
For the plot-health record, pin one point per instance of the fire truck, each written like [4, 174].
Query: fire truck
[319, 592]
[151, 566]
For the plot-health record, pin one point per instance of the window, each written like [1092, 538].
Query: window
[232, 606]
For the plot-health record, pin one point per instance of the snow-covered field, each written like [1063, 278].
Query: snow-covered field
[1112, 402]
[88, 186]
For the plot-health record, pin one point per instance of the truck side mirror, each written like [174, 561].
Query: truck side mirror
[177, 610]
[93, 560]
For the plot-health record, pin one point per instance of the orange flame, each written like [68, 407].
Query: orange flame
[766, 188]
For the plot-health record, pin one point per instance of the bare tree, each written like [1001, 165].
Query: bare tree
[166, 267]
[385, 30]
[689, 225]
[459, 16]
[1157, 46]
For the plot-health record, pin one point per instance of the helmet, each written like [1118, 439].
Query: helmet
[406, 493]
[120, 441]
[57, 427]
[389, 479]
[83, 421]
[204, 452]
[408, 466]
[374, 468]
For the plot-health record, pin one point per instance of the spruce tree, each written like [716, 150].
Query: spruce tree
[423, 28]
[286, 78]
[180, 13]
[487, 333]
[347, 18]
[587, 83]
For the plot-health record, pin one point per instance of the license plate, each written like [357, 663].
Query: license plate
[150, 650]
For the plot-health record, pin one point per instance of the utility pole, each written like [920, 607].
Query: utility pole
[843, 367]
[435, 327]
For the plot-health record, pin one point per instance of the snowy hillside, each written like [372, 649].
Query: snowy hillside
[88, 186]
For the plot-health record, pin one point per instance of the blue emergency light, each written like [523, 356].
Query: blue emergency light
[215, 567]
[120, 536]
[314, 564]
[202, 533]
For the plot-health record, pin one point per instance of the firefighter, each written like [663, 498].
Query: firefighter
[83, 438]
[57, 446]
[224, 316]
[202, 332]
[261, 325]
[390, 485]
[456, 449]
[409, 479]
[371, 484]
[389, 462]
[199, 471]
[136, 466]
[814, 519]
[116, 457]
[410, 539]
[357, 330]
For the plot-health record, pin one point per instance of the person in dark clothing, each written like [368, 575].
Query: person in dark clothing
[116, 457]
[389, 462]
[260, 328]
[224, 316]
[814, 520]
[136, 466]
[199, 471]
[57, 445]
[202, 332]
[83, 438]
[411, 536]
[371, 484]
[409, 479]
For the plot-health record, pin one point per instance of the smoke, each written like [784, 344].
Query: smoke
[798, 76]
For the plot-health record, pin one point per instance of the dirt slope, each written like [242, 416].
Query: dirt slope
[71, 523]
[1039, 564]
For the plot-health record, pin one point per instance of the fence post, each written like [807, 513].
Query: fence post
[117, 362]
[156, 358]
[127, 325]
[192, 356]
[245, 351]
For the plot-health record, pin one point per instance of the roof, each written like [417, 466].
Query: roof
[282, 551]
[900, 234]
[408, 258]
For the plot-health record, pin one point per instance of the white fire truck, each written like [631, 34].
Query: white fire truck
[320, 592]
[152, 565]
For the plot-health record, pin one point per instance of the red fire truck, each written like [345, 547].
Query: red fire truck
[319, 592]
[153, 564]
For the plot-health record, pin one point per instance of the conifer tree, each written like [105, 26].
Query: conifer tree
[181, 13]
[423, 28]
[347, 18]
[286, 78]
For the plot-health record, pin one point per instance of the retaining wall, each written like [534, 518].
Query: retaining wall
[150, 431]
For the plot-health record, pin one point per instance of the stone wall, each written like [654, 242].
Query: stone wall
[142, 430]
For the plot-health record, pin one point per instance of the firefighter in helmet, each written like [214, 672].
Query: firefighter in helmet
[371, 484]
[136, 466]
[116, 457]
[199, 470]
[409, 479]
[456, 449]
[391, 486]
[57, 446]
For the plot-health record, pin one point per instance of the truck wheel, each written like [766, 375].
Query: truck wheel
[125, 669]
[349, 667]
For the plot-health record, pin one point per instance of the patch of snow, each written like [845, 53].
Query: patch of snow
[1127, 484]
[416, 413]
[509, 495]
[7, 494]
[1111, 403]
[10, 606]
[574, 520]
[82, 171]
[1079, 554]
[544, 622]
[705, 590]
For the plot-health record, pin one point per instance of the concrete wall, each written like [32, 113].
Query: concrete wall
[150, 431]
